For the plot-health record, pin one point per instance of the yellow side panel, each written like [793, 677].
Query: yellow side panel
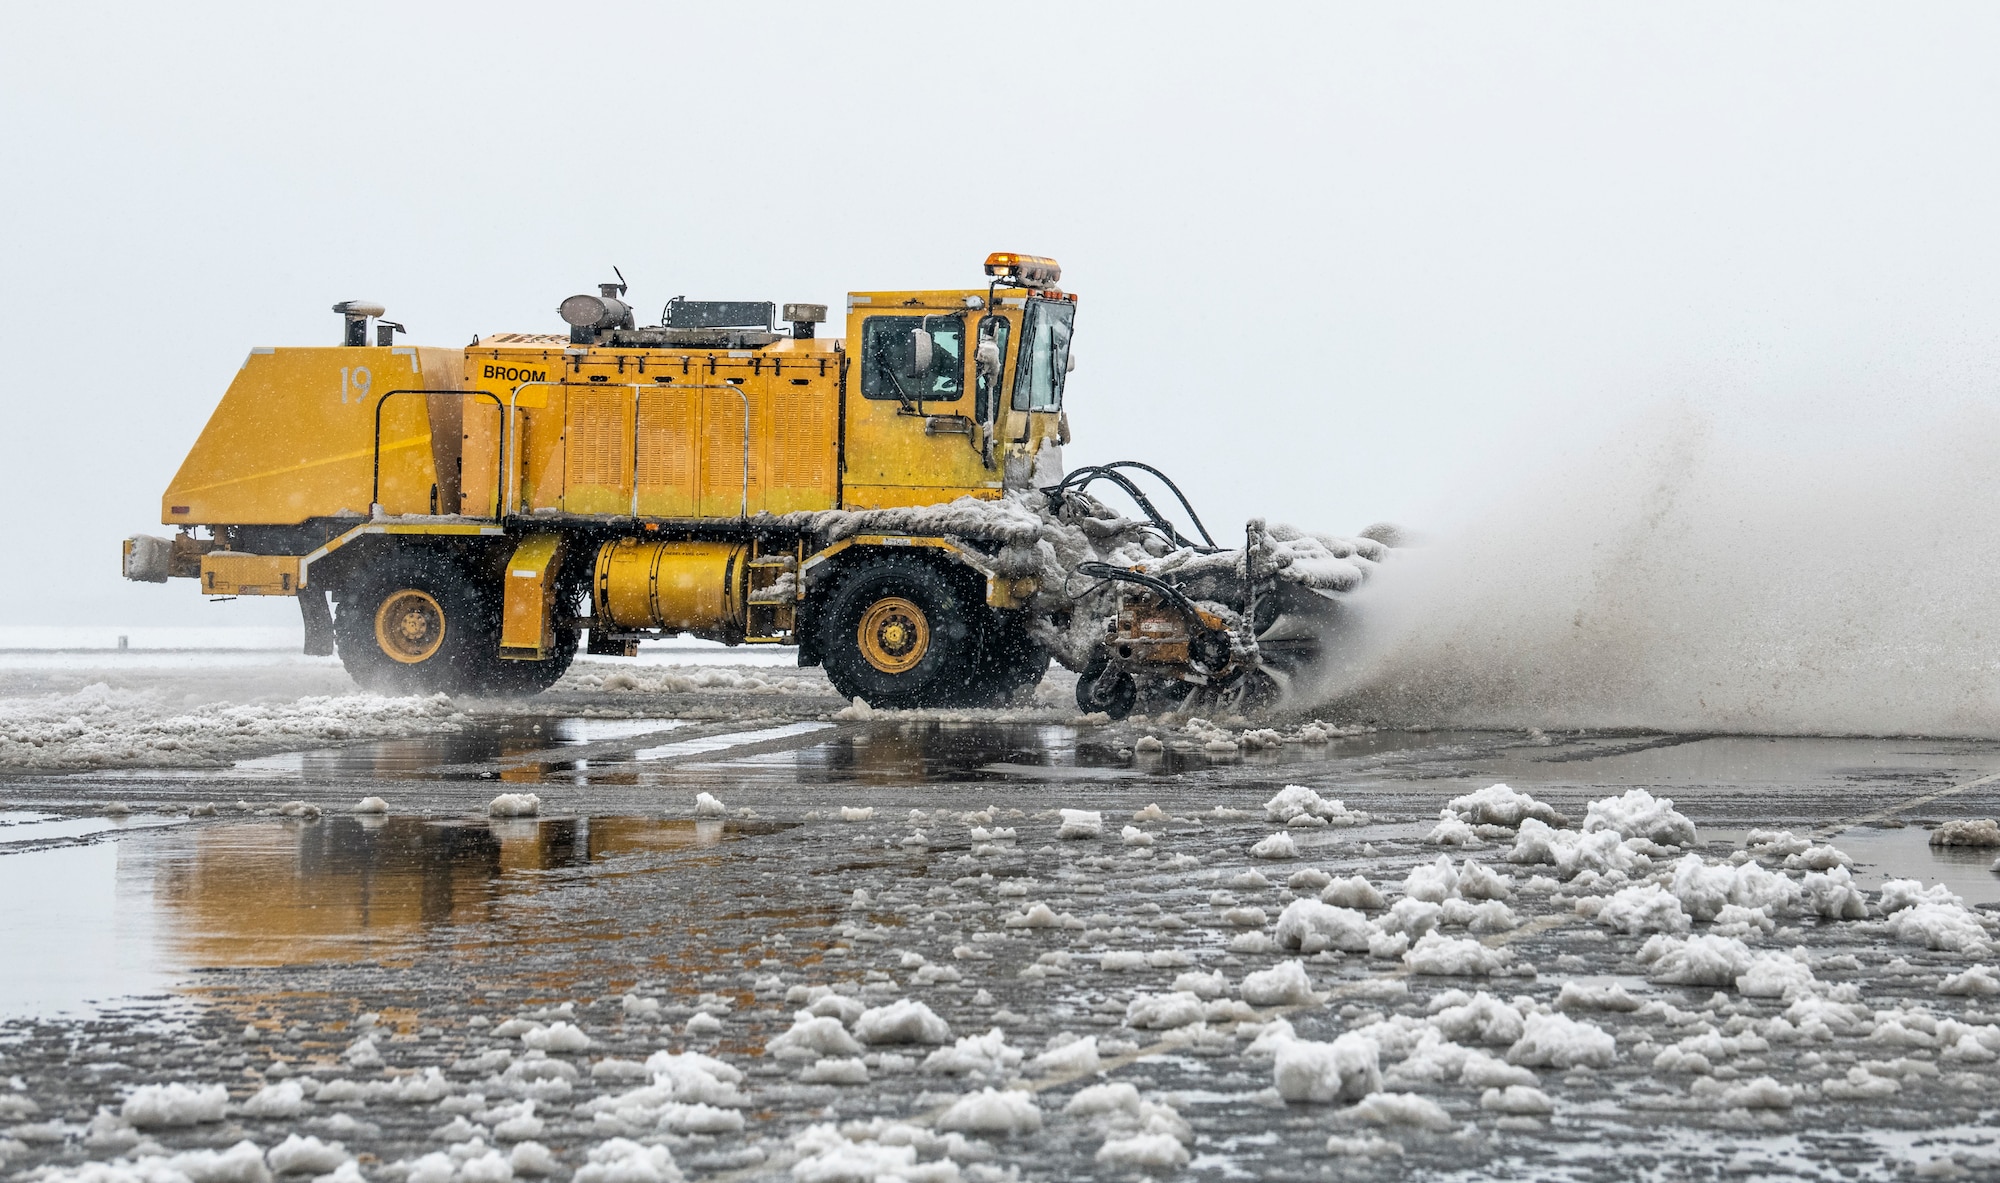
[802, 445]
[294, 438]
[669, 423]
[597, 450]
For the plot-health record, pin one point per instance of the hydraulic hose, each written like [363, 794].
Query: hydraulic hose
[1077, 481]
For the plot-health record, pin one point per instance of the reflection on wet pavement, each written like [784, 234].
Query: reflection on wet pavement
[926, 860]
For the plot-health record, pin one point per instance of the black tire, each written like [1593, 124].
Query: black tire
[916, 614]
[1009, 658]
[403, 605]
[1100, 688]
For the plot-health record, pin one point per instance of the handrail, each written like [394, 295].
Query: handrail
[637, 388]
[375, 482]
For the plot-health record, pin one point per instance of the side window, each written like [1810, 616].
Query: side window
[986, 390]
[888, 357]
[1038, 376]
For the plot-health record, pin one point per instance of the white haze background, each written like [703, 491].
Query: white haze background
[1674, 330]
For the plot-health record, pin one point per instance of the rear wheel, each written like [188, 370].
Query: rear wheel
[897, 632]
[421, 627]
[1009, 658]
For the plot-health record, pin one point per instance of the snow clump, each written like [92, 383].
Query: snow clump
[1284, 984]
[1347, 1069]
[1981, 832]
[1276, 846]
[371, 805]
[1639, 814]
[306, 1156]
[1296, 801]
[708, 805]
[1437, 954]
[1400, 1109]
[903, 1021]
[174, 1105]
[1558, 1041]
[993, 1111]
[514, 805]
[621, 1160]
[1499, 805]
[1081, 823]
[1705, 960]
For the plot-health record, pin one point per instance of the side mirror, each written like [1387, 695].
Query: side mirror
[1069, 361]
[987, 357]
[920, 353]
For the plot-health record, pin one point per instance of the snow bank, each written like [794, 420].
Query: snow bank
[102, 727]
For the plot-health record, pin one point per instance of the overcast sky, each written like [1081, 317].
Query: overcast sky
[1337, 264]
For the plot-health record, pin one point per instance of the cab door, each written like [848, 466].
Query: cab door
[913, 437]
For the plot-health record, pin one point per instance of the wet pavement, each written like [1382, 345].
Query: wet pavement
[414, 971]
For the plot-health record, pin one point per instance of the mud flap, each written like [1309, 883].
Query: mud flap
[319, 621]
[527, 619]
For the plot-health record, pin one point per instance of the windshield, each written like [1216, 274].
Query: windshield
[1038, 376]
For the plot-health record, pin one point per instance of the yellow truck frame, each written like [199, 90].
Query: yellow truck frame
[460, 520]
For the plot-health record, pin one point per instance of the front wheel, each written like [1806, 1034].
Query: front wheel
[1101, 688]
[897, 632]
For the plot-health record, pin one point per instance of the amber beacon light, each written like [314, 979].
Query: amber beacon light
[1030, 271]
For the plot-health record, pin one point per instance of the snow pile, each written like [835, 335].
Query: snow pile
[1435, 953]
[1353, 892]
[1982, 832]
[903, 1021]
[514, 805]
[976, 1055]
[152, 1105]
[1705, 960]
[1501, 807]
[1297, 801]
[1706, 889]
[1558, 1041]
[621, 1160]
[1347, 1069]
[1310, 926]
[374, 805]
[1276, 846]
[241, 1163]
[298, 1155]
[1573, 853]
[1400, 1109]
[1638, 814]
[1081, 823]
[709, 805]
[1643, 907]
[993, 1111]
[102, 727]
[1140, 1132]
[1284, 984]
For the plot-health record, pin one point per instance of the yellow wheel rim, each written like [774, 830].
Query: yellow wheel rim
[409, 626]
[894, 635]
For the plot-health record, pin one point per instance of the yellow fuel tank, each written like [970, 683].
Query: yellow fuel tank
[696, 587]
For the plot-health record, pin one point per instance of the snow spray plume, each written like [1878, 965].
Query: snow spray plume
[1684, 579]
